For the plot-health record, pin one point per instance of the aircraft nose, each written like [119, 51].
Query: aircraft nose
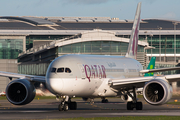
[56, 85]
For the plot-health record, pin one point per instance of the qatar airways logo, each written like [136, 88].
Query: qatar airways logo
[95, 71]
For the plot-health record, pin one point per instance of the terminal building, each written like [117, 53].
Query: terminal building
[29, 44]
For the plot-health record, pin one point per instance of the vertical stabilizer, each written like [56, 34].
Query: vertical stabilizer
[133, 42]
[151, 66]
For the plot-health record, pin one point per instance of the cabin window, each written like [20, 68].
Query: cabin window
[67, 70]
[60, 70]
[53, 69]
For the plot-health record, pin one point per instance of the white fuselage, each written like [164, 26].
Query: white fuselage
[88, 75]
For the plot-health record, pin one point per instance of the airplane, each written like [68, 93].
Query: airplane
[92, 76]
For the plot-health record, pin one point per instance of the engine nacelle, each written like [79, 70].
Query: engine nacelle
[20, 92]
[157, 92]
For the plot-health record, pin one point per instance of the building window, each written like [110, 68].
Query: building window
[97, 47]
[10, 48]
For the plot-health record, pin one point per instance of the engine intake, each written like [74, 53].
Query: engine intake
[20, 92]
[157, 92]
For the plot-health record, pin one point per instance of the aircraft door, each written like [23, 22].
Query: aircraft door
[82, 72]
[126, 72]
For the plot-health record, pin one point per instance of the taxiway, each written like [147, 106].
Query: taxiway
[47, 109]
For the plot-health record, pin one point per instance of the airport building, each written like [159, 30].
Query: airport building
[29, 44]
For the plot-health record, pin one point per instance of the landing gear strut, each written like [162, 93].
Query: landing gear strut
[134, 104]
[66, 104]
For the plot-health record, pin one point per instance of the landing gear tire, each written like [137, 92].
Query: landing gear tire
[60, 108]
[66, 104]
[139, 106]
[72, 105]
[65, 107]
[130, 105]
[105, 101]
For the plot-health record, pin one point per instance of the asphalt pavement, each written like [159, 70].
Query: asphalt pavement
[48, 109]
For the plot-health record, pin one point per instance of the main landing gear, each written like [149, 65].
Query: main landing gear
[134, 104]
[66, 104]
[104, 100]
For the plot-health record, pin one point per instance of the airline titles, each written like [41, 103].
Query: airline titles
[95, 71]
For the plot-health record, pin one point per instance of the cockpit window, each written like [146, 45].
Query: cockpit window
[67, 70]
[60, 70]
[53, 69]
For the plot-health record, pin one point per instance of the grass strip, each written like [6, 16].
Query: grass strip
[3, 98]
[44, 97]
[36, 97]
[174, 103]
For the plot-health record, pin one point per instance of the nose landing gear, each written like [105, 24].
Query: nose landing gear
[67, 104]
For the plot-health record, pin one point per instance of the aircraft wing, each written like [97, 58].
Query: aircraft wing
[129, 83]
[159, 70]
[32, 78]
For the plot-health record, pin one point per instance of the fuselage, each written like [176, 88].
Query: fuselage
[88, 75]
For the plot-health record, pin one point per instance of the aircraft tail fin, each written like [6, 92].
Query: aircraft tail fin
[151, 66]
[133, 42]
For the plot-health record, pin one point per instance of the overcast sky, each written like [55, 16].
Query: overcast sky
[122, 9]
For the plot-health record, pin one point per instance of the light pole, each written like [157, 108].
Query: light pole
[151, 35]
[145, 51]
[145, 36]
[160, 28]
[175, 23]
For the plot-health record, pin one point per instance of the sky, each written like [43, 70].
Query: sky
[122, 9]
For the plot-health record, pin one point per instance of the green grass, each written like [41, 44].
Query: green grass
[174, 103]
[44, 97]
[3, 98]
[140, 96]
[36, 97]
[127, 118]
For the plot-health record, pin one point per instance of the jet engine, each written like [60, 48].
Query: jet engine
[20, 92]
[157, 91]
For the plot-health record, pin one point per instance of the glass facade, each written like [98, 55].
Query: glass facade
[30, 39]
[33, 69]
[165, 42]
[97, 47]
[10, 48]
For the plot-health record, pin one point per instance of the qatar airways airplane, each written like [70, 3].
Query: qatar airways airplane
[92, 76]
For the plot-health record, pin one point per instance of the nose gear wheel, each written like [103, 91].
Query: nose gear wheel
[67, 104]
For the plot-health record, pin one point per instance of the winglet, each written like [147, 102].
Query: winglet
[133, 42]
